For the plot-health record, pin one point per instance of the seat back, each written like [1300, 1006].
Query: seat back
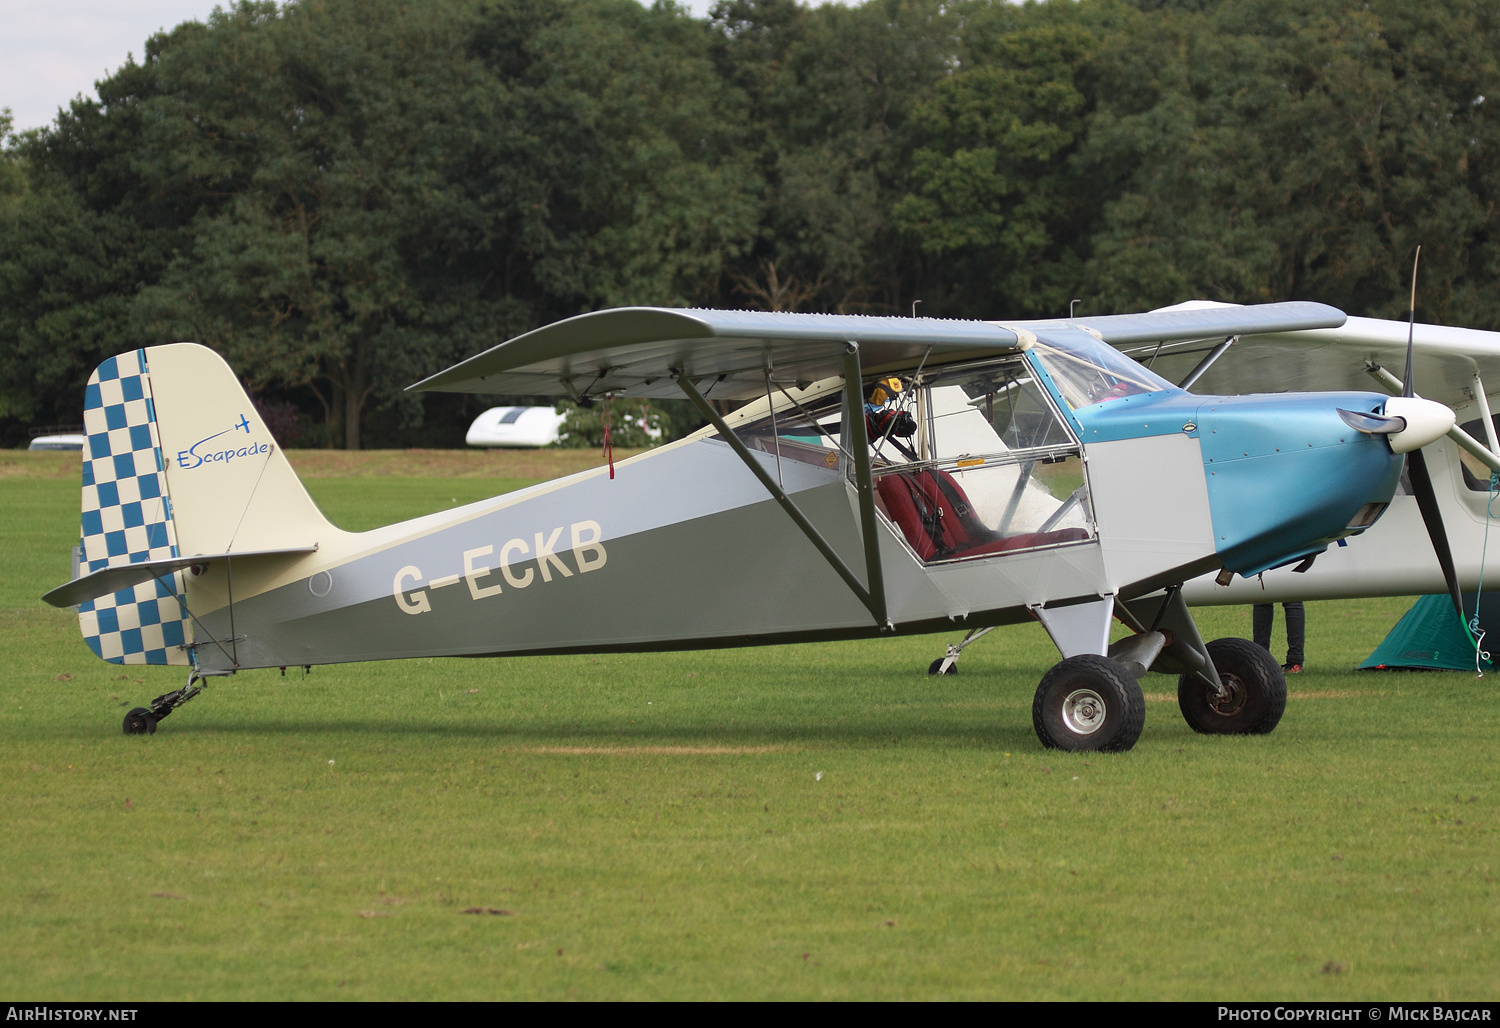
[933, 512]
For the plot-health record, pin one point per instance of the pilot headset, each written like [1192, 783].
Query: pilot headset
[883, 390]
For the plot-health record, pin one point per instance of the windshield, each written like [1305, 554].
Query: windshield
[1092, 372]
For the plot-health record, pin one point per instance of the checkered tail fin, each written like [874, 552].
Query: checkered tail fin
[127, 518]
[178, 464]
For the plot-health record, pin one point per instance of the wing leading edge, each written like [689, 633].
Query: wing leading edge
[1204, 322]
[637, 351]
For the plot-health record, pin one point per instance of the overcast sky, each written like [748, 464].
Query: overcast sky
[53, 50]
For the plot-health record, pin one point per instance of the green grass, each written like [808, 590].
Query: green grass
[653, 826]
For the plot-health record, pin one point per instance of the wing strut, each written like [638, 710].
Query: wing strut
[1204, 364]
[859, 451]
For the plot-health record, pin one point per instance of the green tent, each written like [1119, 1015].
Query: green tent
[1430, 636]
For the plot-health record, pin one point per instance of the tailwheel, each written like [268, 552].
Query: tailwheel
[140, 722]
[143, 720]
[948, 663]
[1252, 700]
[1088, 702]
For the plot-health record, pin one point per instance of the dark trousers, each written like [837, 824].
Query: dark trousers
[1296, 628]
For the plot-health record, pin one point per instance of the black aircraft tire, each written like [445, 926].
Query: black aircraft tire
[936, 667]
[1088, 702]
[140, 722]
[1256, 685]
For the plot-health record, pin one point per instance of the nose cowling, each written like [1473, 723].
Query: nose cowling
[1287, 475]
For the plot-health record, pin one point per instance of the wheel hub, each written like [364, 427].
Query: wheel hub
[1083, 711]
[1232, 700]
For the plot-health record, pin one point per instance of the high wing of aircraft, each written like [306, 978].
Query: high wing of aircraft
[878, 475]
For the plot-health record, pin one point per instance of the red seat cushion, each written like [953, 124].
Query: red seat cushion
[943, 534]
[1025, 541]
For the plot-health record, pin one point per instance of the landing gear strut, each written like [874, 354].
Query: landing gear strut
[142, 721]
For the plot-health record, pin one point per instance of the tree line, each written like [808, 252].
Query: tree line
[343, 196]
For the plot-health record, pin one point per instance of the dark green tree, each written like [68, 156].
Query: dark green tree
[72, 252]
[634, 422]
[346, 195]
[323, 118]
[1262, 149]
[995, 196]
[832, 90]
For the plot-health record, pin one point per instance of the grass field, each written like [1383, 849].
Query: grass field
[821, 821]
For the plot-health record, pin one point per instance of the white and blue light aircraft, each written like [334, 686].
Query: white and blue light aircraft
[877, 475]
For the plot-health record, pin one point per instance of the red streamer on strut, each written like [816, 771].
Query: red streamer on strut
[609, 446]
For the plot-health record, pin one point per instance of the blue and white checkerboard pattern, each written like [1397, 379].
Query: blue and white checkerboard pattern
[127, 518]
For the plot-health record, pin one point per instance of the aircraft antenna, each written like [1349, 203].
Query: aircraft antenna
[1411, 324]
[1421, 480]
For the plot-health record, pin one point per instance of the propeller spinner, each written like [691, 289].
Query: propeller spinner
[1409, 422]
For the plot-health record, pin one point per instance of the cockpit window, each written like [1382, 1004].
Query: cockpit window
[1092, 373]
[1007, 396]
[970, 462]
[1476, 472]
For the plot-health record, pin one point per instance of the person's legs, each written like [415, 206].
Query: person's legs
[1261, 620]
[1296, 632]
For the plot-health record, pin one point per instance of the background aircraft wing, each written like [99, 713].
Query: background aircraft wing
[1444, 359]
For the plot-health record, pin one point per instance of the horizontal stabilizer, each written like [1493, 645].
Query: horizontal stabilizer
[127, 576]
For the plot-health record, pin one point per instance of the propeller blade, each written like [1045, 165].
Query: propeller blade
[1416, 464]
[1372, 424]
[1421, 487]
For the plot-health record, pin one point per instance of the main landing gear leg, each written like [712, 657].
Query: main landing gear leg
[142, 721]
[948, 664]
